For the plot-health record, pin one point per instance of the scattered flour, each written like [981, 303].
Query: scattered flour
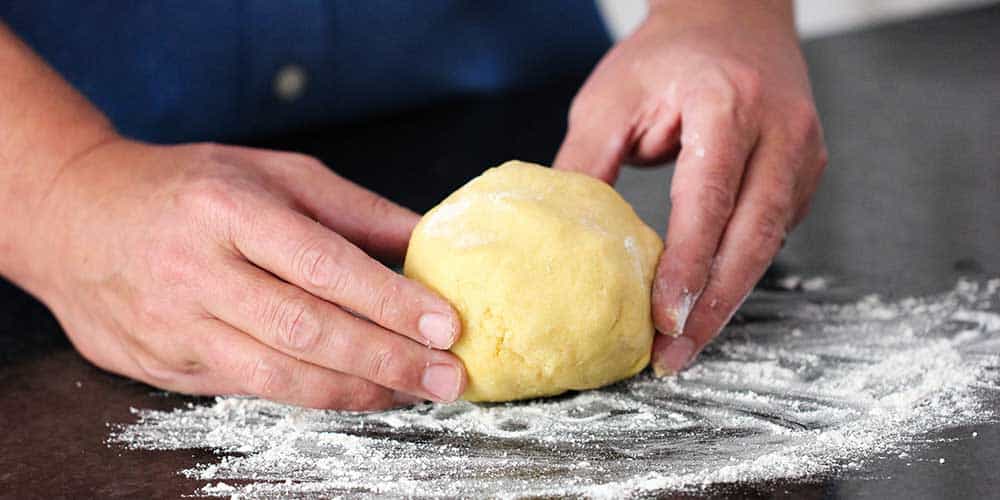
[795, 282]
[800, 389]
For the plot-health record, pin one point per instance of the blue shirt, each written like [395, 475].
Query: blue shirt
[171, 71]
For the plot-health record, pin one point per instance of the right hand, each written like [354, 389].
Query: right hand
[210, 269]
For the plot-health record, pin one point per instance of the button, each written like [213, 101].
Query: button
[290, 82]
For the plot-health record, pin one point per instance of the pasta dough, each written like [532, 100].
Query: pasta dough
[550, 272]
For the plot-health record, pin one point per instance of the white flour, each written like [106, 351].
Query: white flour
[794, 389]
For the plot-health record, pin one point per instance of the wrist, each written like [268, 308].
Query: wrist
[46, 124]
[29, 198]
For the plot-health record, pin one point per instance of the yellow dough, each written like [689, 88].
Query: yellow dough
[551, 274]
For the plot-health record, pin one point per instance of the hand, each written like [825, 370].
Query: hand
[725, 84]
[209, 269]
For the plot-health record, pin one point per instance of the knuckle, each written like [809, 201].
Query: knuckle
[317, 264]
[753, 89]
[365, 397]
[166, 374]
[747, 81]
[822, 159]
[294, 163]
[720, 98]
[384, 302]
[713, 200]
[386, 367]
[295, 326]
[716, 205]
[379, 207]
[154, 370]
[717, 199]
[324, 395]
[213, 194]
[750, 85]
[266, 378]
[803, 112]
[802, 122]
[209, 194]
[770, 231]
[733, 91]
[714, 86]
[306, 161]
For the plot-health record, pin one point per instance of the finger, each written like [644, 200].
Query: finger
[755, 234]
[715, 146]
[810, 132]
[372, 222]
[326, 265]
[598, 135]
[234, 363]
[288, 319]
[657, 136]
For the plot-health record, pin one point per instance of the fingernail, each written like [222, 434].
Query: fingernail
[674, 357]
[674, 321]
[442, 381]
[437, 330]
[404, 399]
[681, 312]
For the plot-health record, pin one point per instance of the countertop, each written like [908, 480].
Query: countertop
[910, 202]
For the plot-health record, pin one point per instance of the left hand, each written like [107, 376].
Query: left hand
[723, 86]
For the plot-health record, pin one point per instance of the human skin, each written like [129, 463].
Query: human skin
[210, 269]
[722, 87]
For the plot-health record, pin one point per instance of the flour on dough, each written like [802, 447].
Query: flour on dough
[551, 273]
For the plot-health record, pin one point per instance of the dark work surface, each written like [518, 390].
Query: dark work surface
[911, 201]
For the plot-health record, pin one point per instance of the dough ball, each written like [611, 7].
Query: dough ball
[551, 274]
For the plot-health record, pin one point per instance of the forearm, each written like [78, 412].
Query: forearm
[711, 10]
[44, 124]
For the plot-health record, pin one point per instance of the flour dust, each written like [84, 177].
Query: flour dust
[801, 385]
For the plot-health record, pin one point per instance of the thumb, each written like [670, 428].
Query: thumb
[376, 225]
[372, 222]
